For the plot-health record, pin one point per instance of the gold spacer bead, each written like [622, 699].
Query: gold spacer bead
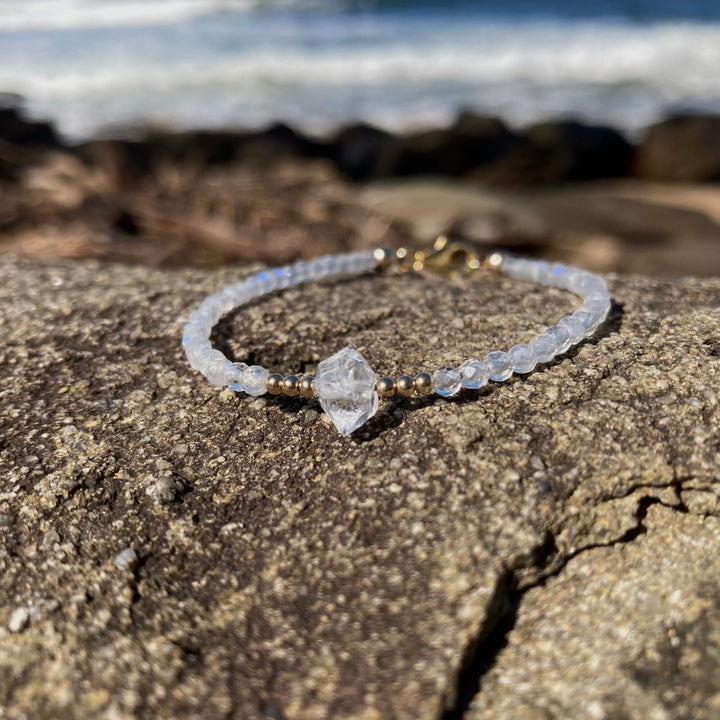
[385, 387]
[274, 384]
[385, 257]
[493, 262]
[404, 386]
[290, 385]
[423, 383]
[306, 387]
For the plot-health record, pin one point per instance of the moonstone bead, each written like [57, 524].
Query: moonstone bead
[575, 329]
[195, 350]
[598, 305]
[523, 358]
[499, 365]
[589, 321]
[345, 386]
[215, 370]
[447, 381]
[475, 373]
[561, 338]
[253, 380]
[234, 374]
[543, 347]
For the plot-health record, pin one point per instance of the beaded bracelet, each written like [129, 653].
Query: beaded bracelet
[346, 386]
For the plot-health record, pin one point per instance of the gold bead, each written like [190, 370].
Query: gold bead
[423, 383]
[384, 257]
[306, 388]
[274, 384]
[290, 385]
[404, 386]
[493, 261]
[385, 387]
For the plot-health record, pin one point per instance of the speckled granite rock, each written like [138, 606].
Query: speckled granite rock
[641, 618]
[171, 550]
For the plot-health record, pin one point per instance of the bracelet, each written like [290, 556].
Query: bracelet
[346, 386]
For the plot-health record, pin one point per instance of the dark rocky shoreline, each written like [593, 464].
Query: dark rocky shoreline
[681, 148]
[560, 189]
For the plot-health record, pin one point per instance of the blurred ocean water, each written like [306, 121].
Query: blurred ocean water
[95, 66]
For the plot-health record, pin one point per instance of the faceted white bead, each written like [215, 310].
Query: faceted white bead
[575, 329]
[475, 373]
[253, 287]
[589, 321]
[345, 385]
[523, 358]
[253, 380]
[545, 274]
[499, 365]
[215, 371]
[283, 277]
[561, 338]
[573, 277]
[597, 304]
[534, 270]
[268, 281]
[559, 275]
[543, 347]
[322, 267]
[195, 351]
[592, 285]
[234, 374]
[447, 381]
[299, 272]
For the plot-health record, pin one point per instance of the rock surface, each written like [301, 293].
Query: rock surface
[685, 148]
[641, 617]
[627, 226]
[171, 550]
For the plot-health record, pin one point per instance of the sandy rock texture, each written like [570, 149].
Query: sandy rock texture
[544, 548]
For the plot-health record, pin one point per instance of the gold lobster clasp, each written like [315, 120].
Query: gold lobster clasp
[445, 257]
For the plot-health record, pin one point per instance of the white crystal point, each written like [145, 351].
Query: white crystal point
[345, 385]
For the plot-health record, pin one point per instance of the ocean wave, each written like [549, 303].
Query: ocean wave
[328, 68]
[90, 14]
[670, 57]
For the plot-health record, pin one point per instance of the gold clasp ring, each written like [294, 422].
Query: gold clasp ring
[445, 257]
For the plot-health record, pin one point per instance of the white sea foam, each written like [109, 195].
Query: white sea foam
[88, 14]
[673, 57]
[246, 68]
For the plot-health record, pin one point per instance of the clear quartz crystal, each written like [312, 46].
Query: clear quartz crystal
[447, 381]
[254, 379]
[345, 385]
[475, 373]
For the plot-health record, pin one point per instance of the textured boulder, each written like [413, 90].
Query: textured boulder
[22, 141]
[134, 160]
[470, 142]
[561, 151]
[355, 149]
[173, 550]
[685, 148]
